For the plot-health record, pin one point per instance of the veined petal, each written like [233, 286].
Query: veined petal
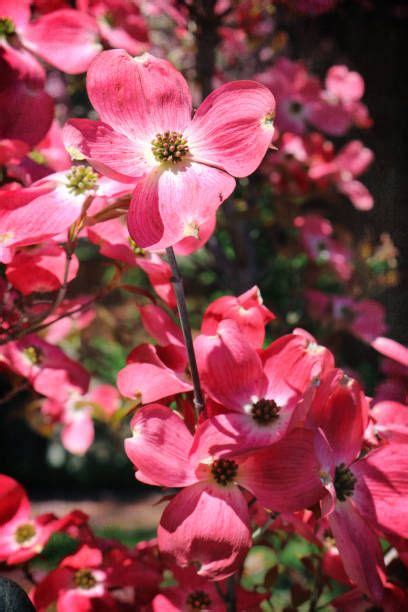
[149, 382]
[359, 549]
[108, 151]
[382, 477]
[159, 447]
[64, 39]
[284, 477]
[207, 526]
[230, 368]
[339, 408]
[138, 96]
[173, 202]
[233, 127]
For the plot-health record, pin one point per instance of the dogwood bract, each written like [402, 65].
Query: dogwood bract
[184, 165]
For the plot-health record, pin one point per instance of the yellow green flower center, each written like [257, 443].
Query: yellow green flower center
[24, 533]
[33, 354]
[7, 27]
[265, 411]
[136, 249]
[81, 179]
[170, 147]
[198, 600]
[224, 471]
[84, 579]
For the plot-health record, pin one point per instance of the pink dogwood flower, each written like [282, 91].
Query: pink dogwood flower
[49, 370]
[364, 494]
[316, 237]
[23, 536]
[196, 593]
[75, 415]
[247, 310]
[242, 383]
[41, 269]
[65, 38]
[207, 522]
[184, 166]
[26, 110]
[76, 584]
[120, 23]
[50, 206]
[301, 100]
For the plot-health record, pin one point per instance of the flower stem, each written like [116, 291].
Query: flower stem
[177, 283]
[231, 595]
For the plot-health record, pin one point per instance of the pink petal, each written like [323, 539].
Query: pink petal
[78, 434]
[191, 244]
[391, 349]
[128, 94]
[339, 408]
[65, 39]
[160, 325]
[149, 382]
[333, 119]
[208, 527]
[230, 368]
[13, 499]
[18, 12]
[247, 310]
[359, 549]
[172, 203]
[284, 477]
[291, 363]
[236, 433]
[159, 447]
[383, 476]
[344, 83]
[391, 420]
[43, 217]
[358, 194]
[109, 152]
[26, 111]
[233, 127]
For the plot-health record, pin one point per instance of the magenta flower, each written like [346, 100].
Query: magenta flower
[364, 494]
[262, 393]
[184, 166]
[207, 522]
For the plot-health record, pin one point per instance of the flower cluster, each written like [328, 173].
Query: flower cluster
[259, 434]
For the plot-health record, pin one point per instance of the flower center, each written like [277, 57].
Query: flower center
[84, 579]
[170, 146]
[136, 249]
[344, 482]
[7, 27]
[109, 19]
[6, 237]
[33, 354]
[265, 411]
[224, 471]
[24, 533]
[81, 179]
[295, 108]
[269, 119]
[198, 600]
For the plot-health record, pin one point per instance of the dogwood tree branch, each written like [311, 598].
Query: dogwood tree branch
[177, 283]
